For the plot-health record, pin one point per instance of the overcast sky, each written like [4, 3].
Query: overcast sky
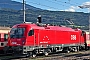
[60, 5]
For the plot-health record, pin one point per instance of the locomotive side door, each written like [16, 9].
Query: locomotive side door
[30, 37]
[36, 37]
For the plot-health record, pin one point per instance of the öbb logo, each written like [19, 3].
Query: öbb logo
[73, 37]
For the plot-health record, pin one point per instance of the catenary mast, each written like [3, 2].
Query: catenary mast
[24, 11]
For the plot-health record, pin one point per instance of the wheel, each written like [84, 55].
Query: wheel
[76, 49]
[46, 53]
[28, 54]
[33, 55]
[68, 51]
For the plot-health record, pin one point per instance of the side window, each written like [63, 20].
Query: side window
[5, 37]
[31, 32]
[82, 33]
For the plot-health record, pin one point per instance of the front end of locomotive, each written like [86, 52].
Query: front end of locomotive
[16, 40]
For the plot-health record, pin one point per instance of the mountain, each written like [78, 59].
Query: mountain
[15, 5]
[10, 17]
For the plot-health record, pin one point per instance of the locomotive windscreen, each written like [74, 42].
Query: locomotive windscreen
[17, 32]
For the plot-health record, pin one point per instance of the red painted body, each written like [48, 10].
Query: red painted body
[46, 35]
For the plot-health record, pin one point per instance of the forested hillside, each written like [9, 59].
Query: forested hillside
[10, 17]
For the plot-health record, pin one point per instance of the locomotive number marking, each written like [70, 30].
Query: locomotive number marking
[73, 37]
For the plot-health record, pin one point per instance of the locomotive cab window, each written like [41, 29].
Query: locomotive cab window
[31, 32]
[17, 32]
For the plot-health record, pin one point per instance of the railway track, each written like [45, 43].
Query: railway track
[82, 55]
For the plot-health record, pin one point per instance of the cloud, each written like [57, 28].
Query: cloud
[50, 9]
[75, 8]
[85, 5]
[71, 9]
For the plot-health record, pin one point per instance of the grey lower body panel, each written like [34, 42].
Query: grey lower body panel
[26, 49]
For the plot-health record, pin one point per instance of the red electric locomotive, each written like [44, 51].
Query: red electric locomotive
[32, 39]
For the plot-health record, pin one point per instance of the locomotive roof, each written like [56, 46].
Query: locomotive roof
[35, 26]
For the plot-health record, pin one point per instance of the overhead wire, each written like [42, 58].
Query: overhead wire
[42, 5]
[59, 2]
[56, 3]
[65, 2]
[74, 4]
